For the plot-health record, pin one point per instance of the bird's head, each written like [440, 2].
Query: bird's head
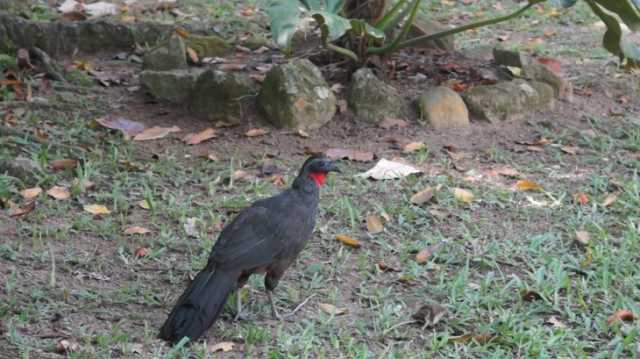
[316, 168]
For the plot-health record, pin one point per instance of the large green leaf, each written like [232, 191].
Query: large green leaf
[628, 11]
[614, 39]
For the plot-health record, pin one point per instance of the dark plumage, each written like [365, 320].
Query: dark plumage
[264, 238]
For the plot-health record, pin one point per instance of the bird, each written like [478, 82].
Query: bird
[265, 237]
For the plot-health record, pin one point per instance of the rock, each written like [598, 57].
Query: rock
[443, 108]
[208, 45]
[539, 72]
[255, 41]
[424, 26]
[295, 95]
[481, 53]
[506, 57]
[508, 100]
[171, 86]
[170, 56]
[222, 96]
[373, 100]
[21, 167]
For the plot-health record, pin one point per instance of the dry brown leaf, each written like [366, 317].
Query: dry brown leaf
[128, 127]
[141, 252]
[525, 185]
[213, 157]
[182, 32]
[155, 133]
[413, 147]
[507, 172]
[353, 155]
[137, 230]
[143, 204]
[530, 296]
[582, 237]
[426, 252]
[463, 195]
[96, 209]
[17, 211]
[30, 193]
[59, 192]
[332, 309]
[255, 132]
[609, 199]
[346, 240]
[66, 164]
[302, 134]
[240, 175]
[382, 266]
[192, 55]
[66, 346]
[221, 347]
[429, 314]
[388, 123]
[621, 315]
[374, 224]
[569, 149]
[423, 196]
[581, 198]
[198, 137]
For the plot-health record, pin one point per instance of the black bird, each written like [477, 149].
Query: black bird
[264, 238]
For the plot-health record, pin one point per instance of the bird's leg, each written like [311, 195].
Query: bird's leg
[239, 314]
[274, 309]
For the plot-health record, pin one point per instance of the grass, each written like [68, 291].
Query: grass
[512, 277]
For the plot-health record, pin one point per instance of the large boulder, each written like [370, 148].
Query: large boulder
[373, 100]
[422, 26]
[170, 56]
[208, 45]
[222, 96]
[508, 100]
[174, 86]
[443, 108]
[295, 95]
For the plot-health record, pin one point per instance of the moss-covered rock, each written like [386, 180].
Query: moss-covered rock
[174, 86]
[296, 95]
[224, 96]
[208, 45]
[171, 56]
[372, 100]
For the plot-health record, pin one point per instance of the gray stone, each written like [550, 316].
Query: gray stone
[508, 100]
[295, 95]
[372, 100]
[169, 86]
[422, 26]
[171, 56]
[255, 41]
[222, 96]
[443, 108]
[481, 53]
[208, 45]
[506, 57]
[539, 72]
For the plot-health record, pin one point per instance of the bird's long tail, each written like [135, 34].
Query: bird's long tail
[199, 306]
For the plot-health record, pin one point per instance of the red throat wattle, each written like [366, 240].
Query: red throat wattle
[318, 177]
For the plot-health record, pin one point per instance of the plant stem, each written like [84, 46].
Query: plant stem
[405, 30]
[423, 39]
[342, 51]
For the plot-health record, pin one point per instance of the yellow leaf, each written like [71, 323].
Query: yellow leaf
[255, 132]
[332, 309]
[374, 225]
[143, 204]
[463, 195]
[96, 209]
[137, 230]
[414, 146]
[193, 55]
[426, 252]
[346, 240]
[525, 185]
[59, 192]
[30, 193]
[196, 138]
[182, 32]
[423, 196]
[155, 133]
[609, 199]
[221, 347]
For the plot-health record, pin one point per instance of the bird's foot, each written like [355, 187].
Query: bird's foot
[240, 316]
[278, 316]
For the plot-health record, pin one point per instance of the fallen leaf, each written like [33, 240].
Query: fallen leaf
[525, 185]
[240, 175]
[255, 132]
[346, 240]
[96, 209]
[192, 55]
[507, 172]
[621, 315]
[582, 237]
[196, 138]
[182, 32]
[463, 195]
[609, 199]
[332, 309]
[66, 164]
[581, 198]
[429, 314]
[143, 204]
[552, 64]
[388, 123]
[515, 71]
[189, 226]
[66, 346]
[30, 193]
[569, 149]
[221, 347]
[18, 211]
[530, 296]
[141, 252]
[137, 230]
[353, 155]
[426, 252]
[155, 133]
[213, 157]
[59, 192]
[423, 196]
[374, 224]
[302, 134]
[413, 147]
[385, 170]
[556, 323]
[385, 267]
[128, 127]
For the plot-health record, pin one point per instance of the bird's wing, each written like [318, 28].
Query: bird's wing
[256, 237]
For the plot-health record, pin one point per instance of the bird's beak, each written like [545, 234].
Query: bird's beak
[333, 167]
